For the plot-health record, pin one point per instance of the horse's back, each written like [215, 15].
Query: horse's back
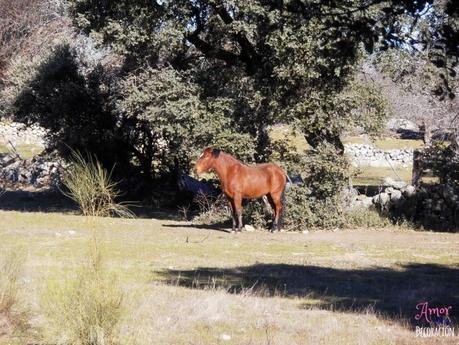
[262, 179]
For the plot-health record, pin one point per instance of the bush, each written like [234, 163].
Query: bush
[303, 210]
[86, 309]
[317, 203]
[444, 162]
[258, 214]
[212, 209]
[91, 187]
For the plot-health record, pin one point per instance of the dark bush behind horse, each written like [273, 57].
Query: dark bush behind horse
[240, 181]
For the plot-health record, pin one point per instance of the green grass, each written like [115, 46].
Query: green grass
[185, 285]
[26, 151]
[372, 176]
[385, 143]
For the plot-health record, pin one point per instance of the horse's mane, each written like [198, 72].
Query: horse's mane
[230, 159]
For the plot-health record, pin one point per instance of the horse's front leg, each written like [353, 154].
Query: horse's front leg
[238, 208]
[233, 213]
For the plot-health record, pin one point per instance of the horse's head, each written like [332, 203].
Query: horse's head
[206, 160]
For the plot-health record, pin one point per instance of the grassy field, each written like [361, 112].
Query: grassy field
[26, 151]
[385, 143]
[371, 176]
[186, 284]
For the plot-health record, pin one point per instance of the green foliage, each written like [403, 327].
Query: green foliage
[443, 160]
[218, 73]
[179, 124]
[327, 172]
[92, 188]
[317, 203]
[257, 214]
[74, 108]
[262, 61]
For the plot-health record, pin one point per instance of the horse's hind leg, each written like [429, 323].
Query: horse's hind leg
[277, 201]
[273, 206]
[238, 209]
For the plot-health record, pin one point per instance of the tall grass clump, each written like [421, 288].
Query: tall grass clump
[11, 311]
[86, 308]
[92, 188]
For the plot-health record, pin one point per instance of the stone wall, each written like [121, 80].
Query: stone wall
[19, 134]
[368, 155]
[38, 172]
[428, 206]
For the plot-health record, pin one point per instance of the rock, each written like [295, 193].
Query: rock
[36, 172]
[409, 191]
[401, 125]
[249, 228]
[396, 195]
[305, 232]
[368, 155]
[390, 182]
[225, 337]
[381, 199]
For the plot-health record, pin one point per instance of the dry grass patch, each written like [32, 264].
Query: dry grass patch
[13, 315]
[250, 288]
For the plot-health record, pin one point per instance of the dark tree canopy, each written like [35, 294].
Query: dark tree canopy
[214, 72]
[280, 60]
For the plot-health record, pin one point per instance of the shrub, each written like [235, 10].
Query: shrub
[86, 309]
[444, 162]
[303, 210]
[258, 214]
[92, 188]
[317, 203]
[212, 209]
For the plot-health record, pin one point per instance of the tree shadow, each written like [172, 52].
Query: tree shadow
[222, 227]
[36, 201]
[391, 293]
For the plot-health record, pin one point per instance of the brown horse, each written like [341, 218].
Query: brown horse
[239, 181]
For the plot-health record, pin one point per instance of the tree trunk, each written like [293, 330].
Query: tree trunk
[455, 140]
[427, 134]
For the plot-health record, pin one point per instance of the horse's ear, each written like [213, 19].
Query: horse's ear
[215, 153]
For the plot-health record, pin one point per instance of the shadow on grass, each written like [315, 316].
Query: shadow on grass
[392, 293]
[36, 201]
[222, 227]
[50, 201]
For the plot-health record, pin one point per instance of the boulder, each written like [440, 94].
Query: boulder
[390, 182]
[249, 228]
[381, 199]
[408, 191]
[396, 195]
